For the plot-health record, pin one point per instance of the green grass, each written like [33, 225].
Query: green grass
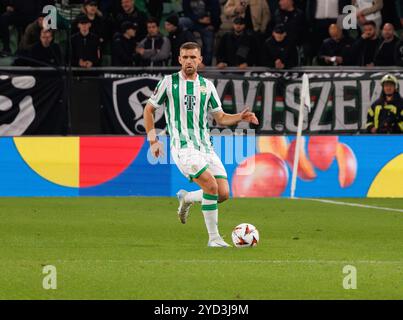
[135, 248]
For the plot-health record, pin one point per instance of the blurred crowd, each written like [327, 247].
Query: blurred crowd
[279, 34]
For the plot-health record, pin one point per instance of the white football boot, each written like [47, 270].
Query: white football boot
[218, 243]
[183, 209]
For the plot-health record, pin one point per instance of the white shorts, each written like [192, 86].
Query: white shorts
[192, 163]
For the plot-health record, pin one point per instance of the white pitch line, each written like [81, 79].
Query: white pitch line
[275, 261]
[351, 204]
[216, 261]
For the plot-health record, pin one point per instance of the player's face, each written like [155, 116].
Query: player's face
[190, 59]
[389, 88]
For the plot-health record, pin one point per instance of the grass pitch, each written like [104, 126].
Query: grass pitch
[135, 248]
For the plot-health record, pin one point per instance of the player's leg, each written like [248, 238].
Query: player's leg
[191, 163]
[209, 185]
[223, 189]
[220, 174]
[197, 196]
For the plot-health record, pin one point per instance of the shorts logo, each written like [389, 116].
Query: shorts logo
[190, 102]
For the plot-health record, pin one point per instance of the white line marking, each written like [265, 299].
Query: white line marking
[275, 261]
[217, 261]
[351, 204]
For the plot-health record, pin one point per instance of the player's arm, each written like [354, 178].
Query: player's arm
[157, 100]
[226, 119]
[155, 146]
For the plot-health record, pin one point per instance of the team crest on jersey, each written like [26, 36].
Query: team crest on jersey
[190, 102]
[203, 90]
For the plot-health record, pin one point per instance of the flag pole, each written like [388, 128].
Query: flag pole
[305, 101]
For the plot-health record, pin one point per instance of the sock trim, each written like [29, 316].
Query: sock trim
[210, 196]
[209, 207]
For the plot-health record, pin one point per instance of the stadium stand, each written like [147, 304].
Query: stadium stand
[306, 23]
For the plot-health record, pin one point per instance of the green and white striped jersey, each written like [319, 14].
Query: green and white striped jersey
[187, 104]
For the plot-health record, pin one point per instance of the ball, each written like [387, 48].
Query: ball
[245, 235]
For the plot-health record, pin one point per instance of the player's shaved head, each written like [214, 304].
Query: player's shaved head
[190, 46]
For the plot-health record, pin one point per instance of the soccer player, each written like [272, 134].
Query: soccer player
[187, 97]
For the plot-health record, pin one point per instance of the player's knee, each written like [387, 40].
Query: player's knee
[223, 196]
[212, 188]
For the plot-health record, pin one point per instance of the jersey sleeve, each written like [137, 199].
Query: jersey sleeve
[214, 103]
[159, 95]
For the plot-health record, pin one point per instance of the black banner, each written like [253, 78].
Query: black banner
[32, 105]
[340, 100]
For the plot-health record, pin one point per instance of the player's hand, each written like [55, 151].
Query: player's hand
[248, 116]
[157, 149]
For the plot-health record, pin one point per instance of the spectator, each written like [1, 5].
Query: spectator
[46, 50]
[86, 52]
[386, 50]
[365, 47]
[124, 45]
[18, 13]
[32, 33]
[177, 36]
[226, 21]
[399, 52]
[238, 47]
[335, 51]
[98, 24]
[369, 10]
[278, 51]
[386, 114]
[323, 13]
[255, 12]
[293, 21]
[129, 12]
[202, 16]
[154, 49]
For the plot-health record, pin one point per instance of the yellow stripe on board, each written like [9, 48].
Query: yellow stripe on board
[55, 159]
